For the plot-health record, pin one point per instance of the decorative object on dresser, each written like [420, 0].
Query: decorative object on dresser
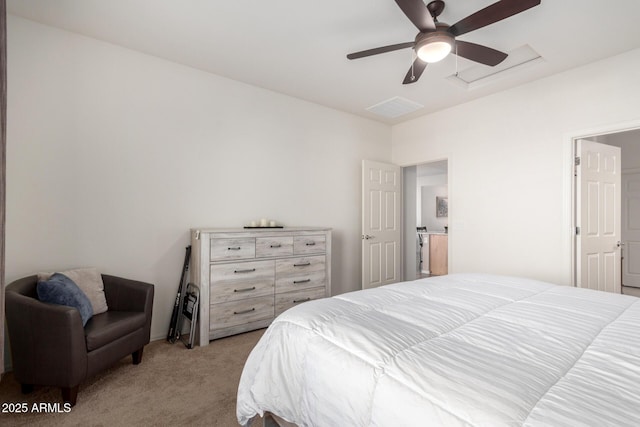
[248, 277]
[264, 223]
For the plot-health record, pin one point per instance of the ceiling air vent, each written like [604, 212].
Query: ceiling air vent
[480, 75]
[394, 107]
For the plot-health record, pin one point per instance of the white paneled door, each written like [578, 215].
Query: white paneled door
[598, 216]
[631, 229]
[381, 224]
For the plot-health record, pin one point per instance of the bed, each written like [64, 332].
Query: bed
[457, 350]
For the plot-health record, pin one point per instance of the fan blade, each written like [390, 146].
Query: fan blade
[490, 14]
[414, 72]
[378, 50]
[417, 13]
[478, 53]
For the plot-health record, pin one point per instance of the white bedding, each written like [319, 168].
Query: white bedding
[458, 350]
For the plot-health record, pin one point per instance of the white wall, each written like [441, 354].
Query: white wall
[113, 155]
[428, 200]
[509, 164]
[429, 187]
[629, 142]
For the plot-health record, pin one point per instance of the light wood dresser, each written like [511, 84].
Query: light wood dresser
[247, 277]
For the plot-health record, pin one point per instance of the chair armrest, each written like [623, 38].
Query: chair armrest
[47, 342]
[127, 295]
[130, 295]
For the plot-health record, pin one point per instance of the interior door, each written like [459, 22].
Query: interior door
[381, 223]
[631, 229]
[598, 216]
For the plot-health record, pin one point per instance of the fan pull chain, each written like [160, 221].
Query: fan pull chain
[413, 77]
[456, 59]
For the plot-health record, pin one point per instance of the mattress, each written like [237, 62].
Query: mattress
[457, 350]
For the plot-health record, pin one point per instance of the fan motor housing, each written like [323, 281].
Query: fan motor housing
[434, 36]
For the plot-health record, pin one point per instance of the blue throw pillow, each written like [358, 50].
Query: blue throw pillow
[61, 290]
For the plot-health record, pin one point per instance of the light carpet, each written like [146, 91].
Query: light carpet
[172, 386]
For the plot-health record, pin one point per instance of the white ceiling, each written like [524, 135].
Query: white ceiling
[298, 47]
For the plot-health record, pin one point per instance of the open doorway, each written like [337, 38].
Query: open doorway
[629, 215]
[426, 219]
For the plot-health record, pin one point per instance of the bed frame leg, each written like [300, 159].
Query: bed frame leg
[268, 421]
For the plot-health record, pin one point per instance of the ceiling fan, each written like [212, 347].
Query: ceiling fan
[436, 39]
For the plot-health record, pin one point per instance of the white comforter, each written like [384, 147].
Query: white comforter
[458, 350]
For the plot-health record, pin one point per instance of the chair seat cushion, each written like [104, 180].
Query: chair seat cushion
[107, 327]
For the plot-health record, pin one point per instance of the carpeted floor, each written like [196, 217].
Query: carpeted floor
[172, 386]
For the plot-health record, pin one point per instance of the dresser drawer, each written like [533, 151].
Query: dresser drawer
[239, 280]
[236, 313]
[293, 267]
[228, 249]
[274, 246]
[287, 300]
[300, 273]
[309, 244]
[309, 280]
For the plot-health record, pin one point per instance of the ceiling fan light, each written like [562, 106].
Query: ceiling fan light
[434, 52]
[434, 47]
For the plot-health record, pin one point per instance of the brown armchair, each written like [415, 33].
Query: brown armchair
[49, 345]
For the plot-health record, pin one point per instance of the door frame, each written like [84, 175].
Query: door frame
[569, 184]
[451, 203]
[626, 172]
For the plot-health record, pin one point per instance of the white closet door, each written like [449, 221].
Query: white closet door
[598, 216]
[631, 229]
[381, 223]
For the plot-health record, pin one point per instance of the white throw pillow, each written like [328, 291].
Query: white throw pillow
[89, 281]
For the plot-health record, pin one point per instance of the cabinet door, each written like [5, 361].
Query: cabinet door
[438, 248]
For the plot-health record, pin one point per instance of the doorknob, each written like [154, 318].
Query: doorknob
[367, 237]
[619, 244]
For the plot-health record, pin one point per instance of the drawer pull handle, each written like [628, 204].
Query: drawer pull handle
[304, 264]
[296, 301]
[311, 243]
[295, 282]
[276, 245]
[249, 270]
[253, 288]
[245, 311]
[234, 248]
